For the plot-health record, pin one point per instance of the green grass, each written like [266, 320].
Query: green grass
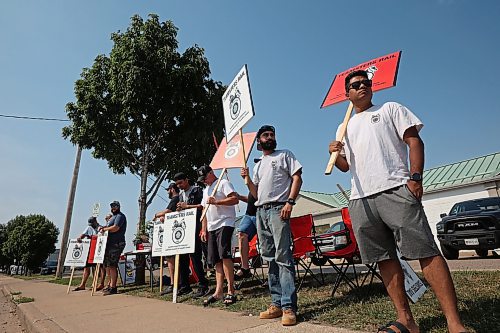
[368, 307]
[22, 299]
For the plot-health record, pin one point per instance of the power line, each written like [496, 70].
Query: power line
[32, 118]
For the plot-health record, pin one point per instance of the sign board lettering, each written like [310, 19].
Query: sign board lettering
[179, 232]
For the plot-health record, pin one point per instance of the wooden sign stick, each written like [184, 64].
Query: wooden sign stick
[343, 129]
[70, 279]
[161, 273]
[244, 155]
[176, 278]
[97, 272]
[93, 280]
[213, 193]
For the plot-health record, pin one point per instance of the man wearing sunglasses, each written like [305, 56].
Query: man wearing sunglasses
[385, 202]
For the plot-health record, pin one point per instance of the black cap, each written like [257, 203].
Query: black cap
[265, 128]
[202, 172]
[92, 219]
[115, 203]
[174, 186]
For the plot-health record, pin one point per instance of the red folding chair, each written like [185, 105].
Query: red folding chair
[342, 245]
[303, 234]
[255, 263]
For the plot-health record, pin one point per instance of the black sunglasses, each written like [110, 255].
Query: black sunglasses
[356, 85]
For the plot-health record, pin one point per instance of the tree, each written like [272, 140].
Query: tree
[4, 260]
[147, 108]
[30, 239]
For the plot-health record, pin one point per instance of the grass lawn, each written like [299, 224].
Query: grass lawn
[367, 307]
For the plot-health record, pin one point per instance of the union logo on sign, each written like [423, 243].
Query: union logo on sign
[232, 150]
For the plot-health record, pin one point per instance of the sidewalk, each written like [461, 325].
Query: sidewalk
[55, 311]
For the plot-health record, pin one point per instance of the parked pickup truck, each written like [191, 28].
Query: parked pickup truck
[470, 225]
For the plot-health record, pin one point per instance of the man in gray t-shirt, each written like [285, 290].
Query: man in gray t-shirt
[276, 183]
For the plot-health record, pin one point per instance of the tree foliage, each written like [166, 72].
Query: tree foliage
[29, 240]
[146, 107]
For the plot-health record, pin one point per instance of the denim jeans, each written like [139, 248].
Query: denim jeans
[275, 242]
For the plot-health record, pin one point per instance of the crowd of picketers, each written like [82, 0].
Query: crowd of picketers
[384, 153]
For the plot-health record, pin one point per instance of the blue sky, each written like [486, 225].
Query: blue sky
[448, 76]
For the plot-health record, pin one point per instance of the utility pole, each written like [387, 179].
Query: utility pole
[69, 213]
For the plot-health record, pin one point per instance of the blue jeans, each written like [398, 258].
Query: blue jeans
[275, 242]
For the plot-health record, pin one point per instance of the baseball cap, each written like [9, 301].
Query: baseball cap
[115, 203]
[92, 219]
[265, 128]
[202, 172]
[174, 186]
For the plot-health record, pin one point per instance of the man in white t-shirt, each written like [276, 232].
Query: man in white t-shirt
[276, 182]
[219, 200]
[385, 203]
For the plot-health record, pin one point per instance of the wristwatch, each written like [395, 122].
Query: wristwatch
[291, 201]
[416, 177]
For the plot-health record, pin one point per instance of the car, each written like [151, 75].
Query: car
[49, 267]
[470, 225]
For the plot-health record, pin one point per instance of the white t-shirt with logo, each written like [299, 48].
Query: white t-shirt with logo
[375, 150]
[273, 176]
[219, 216]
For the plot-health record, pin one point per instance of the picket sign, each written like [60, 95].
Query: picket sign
[383, 72]
[179, 238]
[76, 256]
[99, 251]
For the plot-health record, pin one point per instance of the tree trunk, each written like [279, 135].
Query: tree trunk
[140, 261]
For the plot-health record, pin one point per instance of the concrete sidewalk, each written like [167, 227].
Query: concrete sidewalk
[55, 311]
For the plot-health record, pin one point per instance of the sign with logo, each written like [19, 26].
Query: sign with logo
[100, 248]
[179, 232]
[230, 154]
[382, 71]
[96, 209]
[237, 104]
[77, 253]
[156, 246]
[127, 271]
[414, 287]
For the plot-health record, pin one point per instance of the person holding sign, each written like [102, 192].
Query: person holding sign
[277, 179]
[385, 202]
[217, 229]
[116, 228]
[173, 195]
[91, 230]
[191, 197]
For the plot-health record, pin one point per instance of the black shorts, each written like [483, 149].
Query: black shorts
[112, 254]
[219, 245]
[90, 265]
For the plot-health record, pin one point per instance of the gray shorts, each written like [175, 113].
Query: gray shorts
[388, 219]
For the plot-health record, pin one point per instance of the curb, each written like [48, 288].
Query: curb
[31, 318]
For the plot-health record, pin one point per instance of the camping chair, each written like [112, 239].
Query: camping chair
[255, 263]
[303, 235]
[342, 245]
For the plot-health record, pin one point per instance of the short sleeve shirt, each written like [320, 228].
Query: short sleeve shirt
[219, 216]
[375, 150]
[119, 220]
[172, 205]
[273, 176]
[89, 232]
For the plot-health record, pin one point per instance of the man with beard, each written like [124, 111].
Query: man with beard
[385, 203]
[276, 183]
[116, 228]
[173, 195]
[190, 197]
